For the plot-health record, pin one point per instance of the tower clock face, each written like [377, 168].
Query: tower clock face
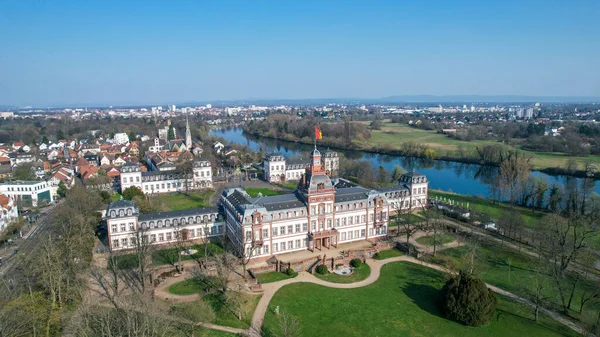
[317, 162]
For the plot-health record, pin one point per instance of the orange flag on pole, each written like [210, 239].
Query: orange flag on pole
[318, 133]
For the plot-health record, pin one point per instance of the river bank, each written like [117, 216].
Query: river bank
[553, 171]
[451, 176]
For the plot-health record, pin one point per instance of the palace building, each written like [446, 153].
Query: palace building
[125, 225]
[278, 169]
[321, 213]
[166, 181]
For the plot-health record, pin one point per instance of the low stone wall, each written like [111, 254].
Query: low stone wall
[265, 269]
[310, 263]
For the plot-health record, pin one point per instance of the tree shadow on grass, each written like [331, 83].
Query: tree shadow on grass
[502, 314]
[165, 256]
[425, 296]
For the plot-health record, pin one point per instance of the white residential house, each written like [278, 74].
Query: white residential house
[42, 147]
[121, 138]
[106, 160]
[218, 146]
[52, 155]
[119, 162]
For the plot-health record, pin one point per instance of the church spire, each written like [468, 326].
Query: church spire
[188, 134]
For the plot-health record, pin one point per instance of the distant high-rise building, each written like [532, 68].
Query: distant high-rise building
[172, 108]
[209, 106]
[188, 134]
[529, 113]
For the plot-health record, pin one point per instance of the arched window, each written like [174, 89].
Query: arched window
[121, 212]
[129, 212]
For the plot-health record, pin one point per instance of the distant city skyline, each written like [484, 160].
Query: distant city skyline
[139, 52]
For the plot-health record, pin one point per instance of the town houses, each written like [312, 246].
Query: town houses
[321, 213]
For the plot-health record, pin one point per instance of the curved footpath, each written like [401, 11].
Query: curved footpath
[270, 289]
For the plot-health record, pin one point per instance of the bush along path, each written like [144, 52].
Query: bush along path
[270, 289]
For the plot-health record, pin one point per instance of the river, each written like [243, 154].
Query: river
[472, 179]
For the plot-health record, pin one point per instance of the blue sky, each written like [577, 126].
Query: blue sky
[158, 52]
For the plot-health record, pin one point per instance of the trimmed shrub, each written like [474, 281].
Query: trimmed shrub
[322, 269]
[289, 272]
[356, 263]
[467, 300]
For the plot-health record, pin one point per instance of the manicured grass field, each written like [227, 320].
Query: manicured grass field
[273, 276]
[253, 191]
[428, 239]
[170, 255]
[358, 274]
[180, 201]
[516, 272]
[115, 197]
[400, 303]
[388, 253]
[485, 206]
[396, 134]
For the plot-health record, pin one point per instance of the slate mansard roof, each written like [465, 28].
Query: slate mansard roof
[192, 212]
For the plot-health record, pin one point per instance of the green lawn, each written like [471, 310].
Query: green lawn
[511, 270]
[225, 315]
[393, 135]
[188, 287]
[485, 206]
[115, 197]
[358, 274]
[273, 276]
[428, 239]
[290, 185]
[126, 261]
[205, 332]
[400, 303]
[170, 255]
[180, 201]
[388, 253]
[253, 191]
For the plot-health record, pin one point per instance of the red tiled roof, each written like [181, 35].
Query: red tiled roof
[3, 200]
[82, 162]
[18, 144]
[88, 172]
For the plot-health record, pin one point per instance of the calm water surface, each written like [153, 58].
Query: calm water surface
[456, 177]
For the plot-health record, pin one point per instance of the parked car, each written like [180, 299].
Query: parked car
[491, 226]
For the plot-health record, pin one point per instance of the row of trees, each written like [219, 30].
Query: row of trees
[347, 134]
